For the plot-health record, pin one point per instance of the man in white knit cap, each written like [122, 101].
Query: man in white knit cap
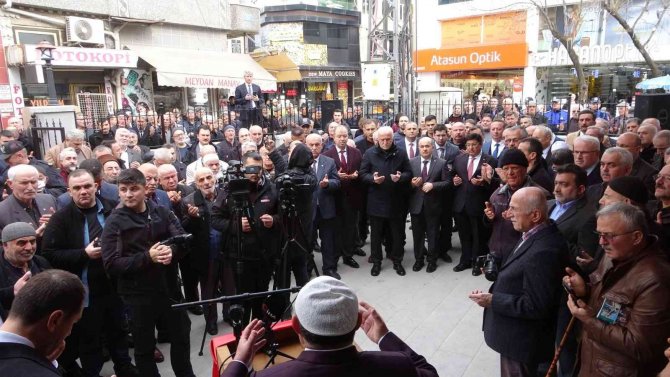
[327, 314]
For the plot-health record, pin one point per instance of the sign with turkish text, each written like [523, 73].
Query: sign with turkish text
[84, 57]
[330, 75]
[499, 28]
[473, 58]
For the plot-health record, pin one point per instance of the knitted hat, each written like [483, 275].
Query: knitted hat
[630, 187]
[17, 230]
[326, 306]
[228, 127]
[513, 157]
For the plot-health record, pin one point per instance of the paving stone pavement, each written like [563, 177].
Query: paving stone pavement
[430, 312]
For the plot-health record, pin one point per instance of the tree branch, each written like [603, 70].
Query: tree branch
[660, 18]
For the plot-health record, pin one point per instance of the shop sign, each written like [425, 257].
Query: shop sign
[330, 75]
[597, 54]
[473, 58]
[85, 57]
[292, 92]
[498, 28]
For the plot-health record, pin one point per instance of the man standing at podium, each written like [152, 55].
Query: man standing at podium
[247, 97]
[327, 314]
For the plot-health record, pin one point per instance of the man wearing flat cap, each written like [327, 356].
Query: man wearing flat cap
[327, 314]
[18, 262]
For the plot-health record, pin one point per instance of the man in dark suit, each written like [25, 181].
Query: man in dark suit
[350, 196]
[326, 318]
[496, 146]
[472, 175]
[575, 218]
[386, 172]
[520, 308]
[323, 203]
[42, 315]
[446, 151]
[587, 156]
[425, 204]
[247, 100]
[641, 168]
[410, 142]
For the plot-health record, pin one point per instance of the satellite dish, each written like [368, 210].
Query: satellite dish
[83, 30]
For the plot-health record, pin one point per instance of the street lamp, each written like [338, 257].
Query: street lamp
[46, 53]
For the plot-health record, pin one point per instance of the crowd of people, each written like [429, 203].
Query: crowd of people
[573, 226]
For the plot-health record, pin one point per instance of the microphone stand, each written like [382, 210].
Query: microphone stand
[237, 325]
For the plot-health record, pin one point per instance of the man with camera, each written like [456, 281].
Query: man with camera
[71, 242]
[251, 241]
[136, 252]
[521, 306]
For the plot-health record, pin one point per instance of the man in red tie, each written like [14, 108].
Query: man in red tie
[426, 202]
[472, 176]
[410, 143]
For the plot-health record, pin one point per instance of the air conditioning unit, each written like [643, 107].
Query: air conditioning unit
[84, 30]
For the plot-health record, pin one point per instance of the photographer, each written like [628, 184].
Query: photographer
[302, 186]
[133, 254]
[259, 232]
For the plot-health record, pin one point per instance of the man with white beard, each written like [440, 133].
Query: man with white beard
[68, 162]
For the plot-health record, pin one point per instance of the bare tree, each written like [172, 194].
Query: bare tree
[565, 37]
[614, 7]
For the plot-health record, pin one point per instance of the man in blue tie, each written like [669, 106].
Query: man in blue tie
[496, 146]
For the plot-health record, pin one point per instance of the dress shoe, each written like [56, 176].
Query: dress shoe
[462, 267]
[349, 261]
[158, 356]
[196, 310]
[418, 265]
[212, 328]
[332, 274]
[476, 271]
[399, 269]
[445, 257]
[432, 266]
[376, 269]
[358, 251]
[126, 370]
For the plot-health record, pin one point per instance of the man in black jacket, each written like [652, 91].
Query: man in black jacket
[258, 235]
[42, 315]
[386, 171]
[520, 308]
[146, 272]
[71, 243]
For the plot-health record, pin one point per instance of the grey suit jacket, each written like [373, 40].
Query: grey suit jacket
[12, 211]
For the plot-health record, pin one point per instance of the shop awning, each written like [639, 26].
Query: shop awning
[280, 65]
[203, 69]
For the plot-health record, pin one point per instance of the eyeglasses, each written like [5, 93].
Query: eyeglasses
[609, 237]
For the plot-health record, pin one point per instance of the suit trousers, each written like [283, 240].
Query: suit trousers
[219, 274]
[396, 231]
[103, 316]
[425, 227]
[513, 368]
[145, 312]
[326, 229]
[474, 236]
[190, 278]
[347, 230]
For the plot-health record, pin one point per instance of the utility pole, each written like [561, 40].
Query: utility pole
[390, 25]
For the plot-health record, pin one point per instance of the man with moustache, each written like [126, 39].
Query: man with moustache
[68, 162]
[349, 199]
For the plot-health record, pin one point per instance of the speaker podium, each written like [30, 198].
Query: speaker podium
[222, 346]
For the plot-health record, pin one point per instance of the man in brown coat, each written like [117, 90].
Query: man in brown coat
[625, 308]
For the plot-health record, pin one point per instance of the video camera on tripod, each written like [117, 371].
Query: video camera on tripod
[236, 185]
[289, 185]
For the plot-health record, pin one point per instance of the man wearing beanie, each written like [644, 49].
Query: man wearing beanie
[327, 314]
[18, 261]
[514, 165]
